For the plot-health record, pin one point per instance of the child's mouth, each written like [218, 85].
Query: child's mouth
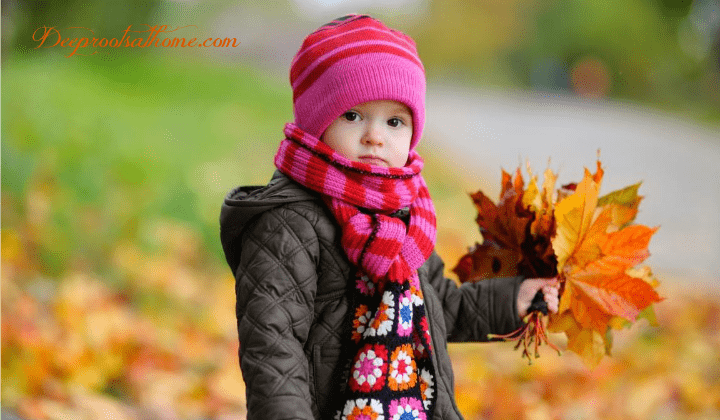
[373, 160]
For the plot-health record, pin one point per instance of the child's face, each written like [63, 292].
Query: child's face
[375, 132]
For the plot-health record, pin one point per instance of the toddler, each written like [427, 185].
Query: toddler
[343, 311]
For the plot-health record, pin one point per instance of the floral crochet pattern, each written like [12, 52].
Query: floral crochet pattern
[369, 368]
[402, 374]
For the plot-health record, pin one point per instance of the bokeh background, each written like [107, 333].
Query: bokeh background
[117, 302]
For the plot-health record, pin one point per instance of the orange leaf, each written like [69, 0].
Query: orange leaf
[587, 312]
[505, 182]
[628, 245]
[597, 177]
[518, 183]
[614, 294]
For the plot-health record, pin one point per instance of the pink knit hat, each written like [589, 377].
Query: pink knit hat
[351, 60]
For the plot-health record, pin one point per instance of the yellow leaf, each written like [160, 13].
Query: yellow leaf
[561, 322]
[589, 250]
[588, 344]
[573, 216]
[623, 204]
[531, 196]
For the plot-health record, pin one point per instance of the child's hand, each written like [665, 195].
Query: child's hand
[530, 287]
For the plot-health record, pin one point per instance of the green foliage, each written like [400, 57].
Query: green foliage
[112, 147]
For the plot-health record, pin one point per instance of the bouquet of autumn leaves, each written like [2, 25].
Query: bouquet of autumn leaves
[588, 241]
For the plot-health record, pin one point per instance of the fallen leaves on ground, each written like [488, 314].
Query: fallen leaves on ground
[153, 338]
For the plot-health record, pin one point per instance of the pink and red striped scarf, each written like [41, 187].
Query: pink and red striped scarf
[391, 373]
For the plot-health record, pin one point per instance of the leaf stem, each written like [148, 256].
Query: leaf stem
[532, 333]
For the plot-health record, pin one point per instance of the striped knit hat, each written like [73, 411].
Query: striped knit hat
[351, 60]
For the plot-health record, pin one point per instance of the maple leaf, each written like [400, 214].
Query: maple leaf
[504, 223]
[574, 214]
[606, 293]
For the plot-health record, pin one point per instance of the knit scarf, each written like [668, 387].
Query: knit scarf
[391, 375]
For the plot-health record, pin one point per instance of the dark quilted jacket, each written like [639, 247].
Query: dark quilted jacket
[283, 246]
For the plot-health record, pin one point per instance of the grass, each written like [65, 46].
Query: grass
[150, 137]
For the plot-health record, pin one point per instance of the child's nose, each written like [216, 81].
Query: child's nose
[373, 136]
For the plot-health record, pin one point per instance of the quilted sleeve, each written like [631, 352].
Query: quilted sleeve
[473, 310]
[276, 282]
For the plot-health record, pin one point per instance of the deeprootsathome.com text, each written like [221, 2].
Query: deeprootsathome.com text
[46, 35]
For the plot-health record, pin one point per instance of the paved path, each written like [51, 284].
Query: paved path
[678, 162]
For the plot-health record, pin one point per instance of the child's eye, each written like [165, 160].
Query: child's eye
[395, 122]
[351, 116]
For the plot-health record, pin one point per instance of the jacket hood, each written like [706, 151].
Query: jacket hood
[245, 202]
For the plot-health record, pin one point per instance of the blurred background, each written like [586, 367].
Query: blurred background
[116, 299]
